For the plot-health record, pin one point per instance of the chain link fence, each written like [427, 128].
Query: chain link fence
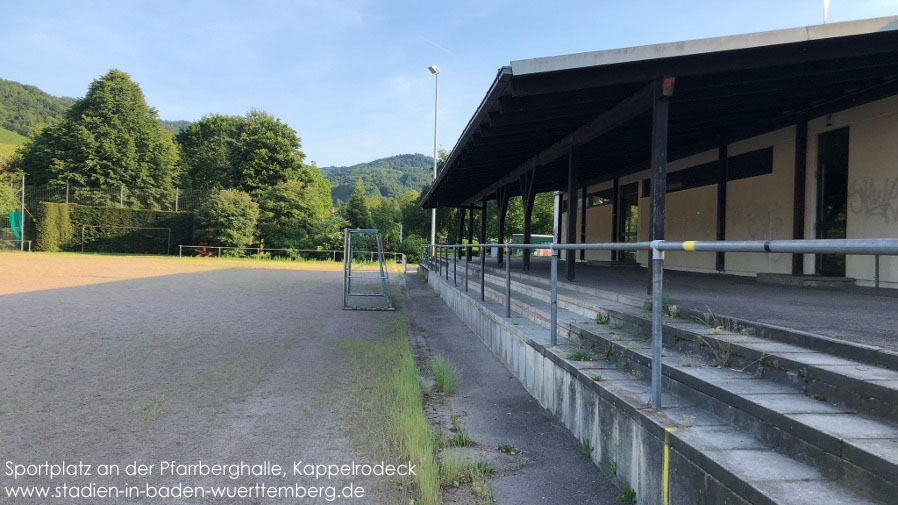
[132, 198]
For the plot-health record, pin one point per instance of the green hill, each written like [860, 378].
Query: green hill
[22, 107]
[385, 177]
[8, 143]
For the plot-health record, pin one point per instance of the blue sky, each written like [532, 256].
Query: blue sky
[350, 76]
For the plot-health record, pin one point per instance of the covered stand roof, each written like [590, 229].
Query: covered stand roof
[726, 89]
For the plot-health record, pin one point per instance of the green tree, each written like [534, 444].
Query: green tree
[252, 152]
[356, 211]
[267, 153]
[227, 218]
[206, 148]
[287, 212]
[109, 138]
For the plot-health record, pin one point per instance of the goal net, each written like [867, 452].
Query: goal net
[125, 239]
[366, 282]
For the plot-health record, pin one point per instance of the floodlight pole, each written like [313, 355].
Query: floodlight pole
[436, 100]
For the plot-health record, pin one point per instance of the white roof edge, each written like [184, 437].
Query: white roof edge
[702, 46]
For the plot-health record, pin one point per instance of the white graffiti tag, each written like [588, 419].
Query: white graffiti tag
[870, 199]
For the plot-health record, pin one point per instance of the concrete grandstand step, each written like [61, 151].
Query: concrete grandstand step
[735, 456]
[855, 385]
[835, 439]
[868, 354]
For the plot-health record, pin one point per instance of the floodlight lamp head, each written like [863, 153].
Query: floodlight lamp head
[433, 69]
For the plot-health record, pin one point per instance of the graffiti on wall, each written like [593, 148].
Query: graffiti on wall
[875, 198]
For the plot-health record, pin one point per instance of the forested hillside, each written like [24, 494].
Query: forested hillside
[22, 107]
[386, 177]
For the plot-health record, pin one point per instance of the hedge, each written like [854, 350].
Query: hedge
[59, 227]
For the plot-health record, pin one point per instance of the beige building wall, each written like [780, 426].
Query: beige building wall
[872, 183]
[761, 207]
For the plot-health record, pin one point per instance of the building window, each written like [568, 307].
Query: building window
[742, 166]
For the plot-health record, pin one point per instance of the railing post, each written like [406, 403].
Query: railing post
[657, 313]
[482, 273]
[507, 284]
[466, 268]
[446, 255]
[180, 250]
[553, 323]
[455, 266]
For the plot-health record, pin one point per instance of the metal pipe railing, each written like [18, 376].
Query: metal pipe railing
[872, 247]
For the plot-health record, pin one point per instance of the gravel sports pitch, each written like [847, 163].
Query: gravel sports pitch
[124, 359]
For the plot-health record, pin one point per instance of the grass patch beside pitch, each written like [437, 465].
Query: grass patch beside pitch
[394, 422]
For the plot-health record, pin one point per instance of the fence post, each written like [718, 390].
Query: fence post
[121, 197]
[657, 313]
[177, 194]
[553, 302]
[219, 252]
[180, 250]
[66, 192]
[507, 284]
[446, 255]
[455, 268]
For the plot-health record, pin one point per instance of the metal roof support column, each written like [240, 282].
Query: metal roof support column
[722, 176]
[660, 113]
[502, 209]
[528, 196]
[801, 170]
[573, 176]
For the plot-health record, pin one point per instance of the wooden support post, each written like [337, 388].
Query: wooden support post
[573, 176]
[483, 251]
[798, 199]
[502, 209]
[461, 231]
[660, 114]
[722, 176]
[615, 205]
[528, 196]
[470, 232]
[583, 221]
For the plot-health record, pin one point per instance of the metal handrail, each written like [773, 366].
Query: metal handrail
[864, 246]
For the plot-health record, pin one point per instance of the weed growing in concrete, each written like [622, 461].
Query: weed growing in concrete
[602, 318]
[616, 326]
[597, 377]
[616, 337]
[461, 438]
[612, 467]
[581, 356]
[444, 375]
[627, 496]
[687, 421]
[586, 448]
[508, 448]
[455, 474]
[722, 350]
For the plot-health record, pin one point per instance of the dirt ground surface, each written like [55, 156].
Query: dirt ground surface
[112, 360]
